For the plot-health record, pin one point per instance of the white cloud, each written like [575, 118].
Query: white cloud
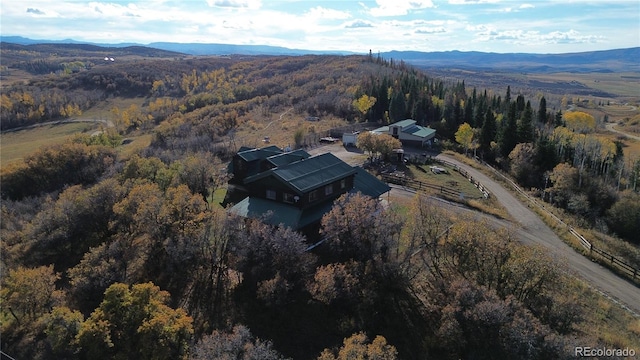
[398, 7]
[358, 24]
[333, 25]
[524, 37]
[238, 4]
[518, 9]
[35, 11]
[571, 37]
[471, 2]
[436, 30]
[324, 13]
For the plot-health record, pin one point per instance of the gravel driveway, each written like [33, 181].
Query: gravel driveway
[535, 232]
[531, 231]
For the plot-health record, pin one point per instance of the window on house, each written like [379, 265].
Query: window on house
[343, 183]
[313, 195]
[288, 198]
[271, 194]
[328, 190]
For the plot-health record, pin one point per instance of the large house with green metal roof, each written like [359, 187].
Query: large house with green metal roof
[408, 132]
[293, 188]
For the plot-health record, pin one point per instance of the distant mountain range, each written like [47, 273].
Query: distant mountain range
[591, 61]
[188, 48]
[618, 60]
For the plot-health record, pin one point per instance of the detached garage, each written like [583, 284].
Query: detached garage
[409, 133]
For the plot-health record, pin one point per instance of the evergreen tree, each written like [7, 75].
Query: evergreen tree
[468, 112]
[525, 125]
[480, 110]
[507, 97]
[487, 132]
[546, 157]
[542, 111]
[458, 114]
[558, 119]
[508, 134]
[397, 106]
[382, 99]
[520, 104]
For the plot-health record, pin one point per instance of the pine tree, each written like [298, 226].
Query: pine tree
[468, 112]
[487, 132]
[397, 105]
[525, 125]
[542, 111]
[507, 97]
[520, 104]
[558, 119]
[508, 134]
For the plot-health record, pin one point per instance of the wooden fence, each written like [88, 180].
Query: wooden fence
[464, 173]
[595, 253]
[419, 185]
[608, 258]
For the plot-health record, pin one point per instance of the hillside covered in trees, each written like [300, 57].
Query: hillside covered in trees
[114, 255]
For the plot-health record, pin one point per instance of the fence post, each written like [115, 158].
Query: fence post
[635, 272]
[612, 259]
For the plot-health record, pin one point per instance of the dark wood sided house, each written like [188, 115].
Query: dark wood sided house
[293, 188]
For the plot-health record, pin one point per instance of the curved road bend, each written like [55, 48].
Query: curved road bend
[611, 127]
[535, 231]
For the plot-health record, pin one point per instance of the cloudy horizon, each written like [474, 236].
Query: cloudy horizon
[501, 26]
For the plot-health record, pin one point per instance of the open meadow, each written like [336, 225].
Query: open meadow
[15, 145]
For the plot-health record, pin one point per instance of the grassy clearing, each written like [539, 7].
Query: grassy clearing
[630, 147]
[218, 196]
[490, 206]
[603, 319]
[133, 144]
[621, 84]
[14, 76]
[16, 145]
[103, 109]
[452, 179]
[280, 128]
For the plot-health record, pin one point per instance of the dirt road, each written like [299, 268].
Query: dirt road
[534, 231]
[610, 127]
[531, 230]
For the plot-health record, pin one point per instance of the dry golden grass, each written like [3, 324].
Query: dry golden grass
[134, 144]
[14, 146]
[604, 320]
[15, 76]
[490, 206]
[620, 84]
[630, 147]
[280, 127]
[452, 180]
[102, 110]
[626, 115]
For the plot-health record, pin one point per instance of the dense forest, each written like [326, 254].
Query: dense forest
[106, 256]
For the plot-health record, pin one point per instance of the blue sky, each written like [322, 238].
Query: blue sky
[533, 26]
